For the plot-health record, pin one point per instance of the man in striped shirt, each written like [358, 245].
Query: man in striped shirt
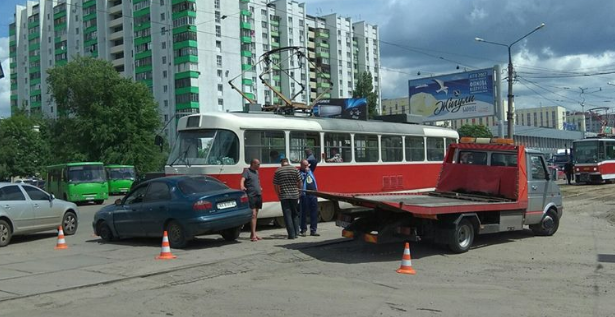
[287, 182]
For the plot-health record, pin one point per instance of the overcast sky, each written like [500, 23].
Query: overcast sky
[575, 49]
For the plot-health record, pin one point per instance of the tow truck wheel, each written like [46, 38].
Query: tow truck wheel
[462, 237]
[326, 211]
[548, 226]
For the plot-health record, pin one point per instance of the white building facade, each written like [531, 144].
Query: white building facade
[187, 51]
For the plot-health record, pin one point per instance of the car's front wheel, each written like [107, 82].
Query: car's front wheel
[104, 232]
[69, 223]
[5, 233]
[177, 236]
[231, 234]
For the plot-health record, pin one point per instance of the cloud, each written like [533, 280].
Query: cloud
[5, 83]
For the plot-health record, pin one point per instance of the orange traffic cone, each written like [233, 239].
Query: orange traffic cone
[406, 262]
[61, 242]
[165, 253]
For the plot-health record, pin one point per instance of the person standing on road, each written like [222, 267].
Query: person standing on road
[251, 184]
[308, 202]
[287, 182]
[568, 169]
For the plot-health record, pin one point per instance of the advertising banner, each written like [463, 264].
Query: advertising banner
[345, 108]
[454, 96]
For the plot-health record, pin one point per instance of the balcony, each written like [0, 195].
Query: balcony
[116, 49]
[246, 40]
[116, 22]
[246, 25]
[323, 35]
[118, 62]
[322, 55]
[115, 9]
[116, 35]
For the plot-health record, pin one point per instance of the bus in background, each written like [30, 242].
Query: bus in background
[120, 178]
[78, 182]
[594, 160]
[370, 156]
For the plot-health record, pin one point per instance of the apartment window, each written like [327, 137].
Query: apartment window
[217, 16]
[164, 59]
[217, 4]
[161, 2]
[220, 88]
[219, 61]
[161, 16]
[164, 74]
[218, 31]
[220, 102]
[165, 88]
[164, 45]
[219, 46]
[166, 103]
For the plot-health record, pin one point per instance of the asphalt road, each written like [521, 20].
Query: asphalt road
[511, 274]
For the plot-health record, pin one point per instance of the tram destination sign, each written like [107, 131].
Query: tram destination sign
[453, 96]
[345, 108]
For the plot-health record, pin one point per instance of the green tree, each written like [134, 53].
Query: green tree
[104, 116]
[22, 149]
[475, 131]
[365, 89]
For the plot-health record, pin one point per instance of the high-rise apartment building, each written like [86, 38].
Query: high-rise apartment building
[186, 51]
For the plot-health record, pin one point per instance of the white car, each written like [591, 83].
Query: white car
[28, 209]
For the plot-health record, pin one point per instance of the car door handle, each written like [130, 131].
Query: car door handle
[534, 187]
[35, 205]
[7, 207]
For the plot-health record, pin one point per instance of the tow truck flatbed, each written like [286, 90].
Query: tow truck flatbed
[426, 204]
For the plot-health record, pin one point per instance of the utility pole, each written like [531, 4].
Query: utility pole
[510, 115]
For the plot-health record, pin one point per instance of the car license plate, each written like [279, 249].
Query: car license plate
[89, 198]
[227, 204]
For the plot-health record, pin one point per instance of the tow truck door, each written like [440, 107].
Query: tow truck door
[538, 185]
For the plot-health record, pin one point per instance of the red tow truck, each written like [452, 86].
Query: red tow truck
[485, 186]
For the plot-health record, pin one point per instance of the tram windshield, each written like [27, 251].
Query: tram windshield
[588, 152]
[205, 147]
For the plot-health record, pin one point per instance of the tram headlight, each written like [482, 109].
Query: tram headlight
[578, 169]
[595, 169]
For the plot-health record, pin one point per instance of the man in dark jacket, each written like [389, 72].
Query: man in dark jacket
[568, 169]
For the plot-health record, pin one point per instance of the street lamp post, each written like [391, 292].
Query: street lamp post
[510, 115]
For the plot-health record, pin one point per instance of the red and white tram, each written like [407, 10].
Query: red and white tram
[594, 160]
[376, 156]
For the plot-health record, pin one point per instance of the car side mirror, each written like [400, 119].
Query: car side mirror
[118, 202]
[51, 197]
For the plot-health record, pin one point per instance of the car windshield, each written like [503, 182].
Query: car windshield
[205, 147]
[86, 174]
[195, 185]
[118, 173]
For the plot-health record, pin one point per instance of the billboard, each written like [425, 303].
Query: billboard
[454, 96]
[345, 108]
